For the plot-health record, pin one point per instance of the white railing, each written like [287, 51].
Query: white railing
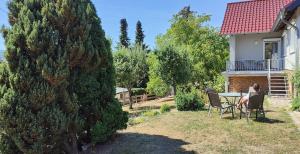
[256, 65]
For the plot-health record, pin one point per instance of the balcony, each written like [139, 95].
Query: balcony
[255, 65]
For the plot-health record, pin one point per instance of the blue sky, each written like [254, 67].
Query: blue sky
[154, 15]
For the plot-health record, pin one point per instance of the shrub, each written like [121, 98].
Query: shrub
[188, 101]
[150, 113]
[135, 121]
[165, 108]
[296, 104]
[113, 118]
[138, 91]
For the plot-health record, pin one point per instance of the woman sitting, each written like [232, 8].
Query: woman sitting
[254, 89]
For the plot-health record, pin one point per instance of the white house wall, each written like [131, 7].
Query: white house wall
[250, 46]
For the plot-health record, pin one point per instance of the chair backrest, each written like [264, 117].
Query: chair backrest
[207, 90]
[214, 99]
[256, 100]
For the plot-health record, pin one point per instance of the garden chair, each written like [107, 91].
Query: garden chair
[215, 102]
[256, 102]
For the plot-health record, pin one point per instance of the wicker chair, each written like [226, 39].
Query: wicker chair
[256, 101]
[215, 102]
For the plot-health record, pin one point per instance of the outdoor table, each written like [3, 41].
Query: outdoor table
[232, 95]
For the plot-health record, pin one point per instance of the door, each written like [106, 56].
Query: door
[272, 51]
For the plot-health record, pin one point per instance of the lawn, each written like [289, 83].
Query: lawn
[195, 132]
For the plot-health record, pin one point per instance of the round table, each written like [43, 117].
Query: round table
[232, 95]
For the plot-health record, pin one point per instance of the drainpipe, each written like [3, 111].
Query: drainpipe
[282, 13]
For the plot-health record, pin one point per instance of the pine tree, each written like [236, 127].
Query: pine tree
[139, 34]
[124, 40]
[57, 84]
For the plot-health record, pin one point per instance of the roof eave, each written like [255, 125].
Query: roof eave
[245, 33]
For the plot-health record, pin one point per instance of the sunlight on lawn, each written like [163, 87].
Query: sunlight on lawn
[199, 133]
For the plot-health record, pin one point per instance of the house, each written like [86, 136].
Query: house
[122, 94]
[264, 44]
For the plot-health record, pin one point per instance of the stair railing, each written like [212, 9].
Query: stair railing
[269, 75]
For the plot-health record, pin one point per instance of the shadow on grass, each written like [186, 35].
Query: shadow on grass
[268, 120]
[132, 143]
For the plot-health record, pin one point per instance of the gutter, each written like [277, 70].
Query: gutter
[282, 15]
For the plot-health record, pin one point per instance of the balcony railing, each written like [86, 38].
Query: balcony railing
[256, 65]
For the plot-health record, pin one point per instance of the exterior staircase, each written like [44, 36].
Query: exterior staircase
[278, 85]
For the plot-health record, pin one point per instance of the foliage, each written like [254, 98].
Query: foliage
[218, 83]
[150, 113]
[124, 39]
[188, 101]
[135, 121]
[58, 82]
[130, 67]
[165, 108]
[296, 80]
[296, 104]
[155, 85]
[138, 91]
[204, 46]
[173, 68]
[111, 121]
[139, 35]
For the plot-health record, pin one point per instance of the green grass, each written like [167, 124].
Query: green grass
[195, 132]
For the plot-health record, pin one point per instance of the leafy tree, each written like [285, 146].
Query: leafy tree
[174, 68]
[155, 85]
[206, 49]
[57, 84]
[124, 40]
[131, 68]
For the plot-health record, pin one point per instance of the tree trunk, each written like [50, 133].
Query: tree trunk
[130, 98]
[71, 144]
[174, 88]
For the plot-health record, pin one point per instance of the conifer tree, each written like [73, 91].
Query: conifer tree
[140, 36]
[57, 83]
[124, 40]
[139, 33]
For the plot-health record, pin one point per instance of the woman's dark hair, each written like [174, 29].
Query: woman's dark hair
[256, 87]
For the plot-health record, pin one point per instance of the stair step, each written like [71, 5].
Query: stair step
[278, 79]
[279, 90]
[279, 86]
[279, 95]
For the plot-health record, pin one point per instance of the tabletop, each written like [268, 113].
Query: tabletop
[232, 94]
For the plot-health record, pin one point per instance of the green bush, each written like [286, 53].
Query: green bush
[135, 121]
[138, 91]
[188, 101]
[296, 104]
[165, 108]
[150, 113]
[113, 118]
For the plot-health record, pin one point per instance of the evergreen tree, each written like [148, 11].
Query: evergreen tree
[139, 33]
[124, 40]
[57, 84]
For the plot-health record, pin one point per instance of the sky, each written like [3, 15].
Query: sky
[154, 15]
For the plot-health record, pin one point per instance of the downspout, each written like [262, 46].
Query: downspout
[282, 13]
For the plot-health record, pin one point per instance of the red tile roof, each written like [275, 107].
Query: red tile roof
[255, 16]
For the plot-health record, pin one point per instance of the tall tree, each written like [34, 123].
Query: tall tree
[57, 86]
[174, 67]
[131, 67]
[124, 39]
[206, 49]
[139, 34]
